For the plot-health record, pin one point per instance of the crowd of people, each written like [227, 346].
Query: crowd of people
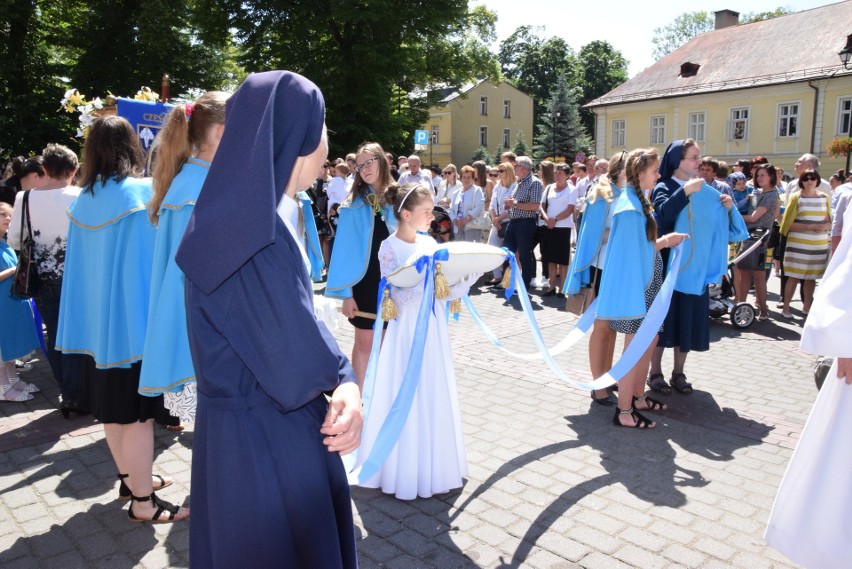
[164, 300]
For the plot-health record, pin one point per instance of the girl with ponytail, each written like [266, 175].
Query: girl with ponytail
[188, 143]
[632, 276]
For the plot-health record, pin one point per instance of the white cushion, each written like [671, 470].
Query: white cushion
[465, 258]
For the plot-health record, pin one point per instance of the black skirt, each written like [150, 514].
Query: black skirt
[112, 395]
[365, 292]
[557, 246]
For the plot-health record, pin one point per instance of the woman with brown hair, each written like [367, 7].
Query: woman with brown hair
[104, 308]
[365, 220]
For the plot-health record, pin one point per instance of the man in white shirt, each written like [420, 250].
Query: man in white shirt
[415, 173]
[582, 182]
[806, 162]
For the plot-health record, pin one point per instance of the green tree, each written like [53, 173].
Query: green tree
[31, 63]
[685, 27]
[481, 154]
[560, 132]
[602, 69]
[521, 148]
[375, 60]
[534, 64]
[750, 17]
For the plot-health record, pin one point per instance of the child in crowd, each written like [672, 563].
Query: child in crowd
[740, 192]
[429, 456]
[17, 328]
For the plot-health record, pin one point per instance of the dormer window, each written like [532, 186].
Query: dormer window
[689, 69]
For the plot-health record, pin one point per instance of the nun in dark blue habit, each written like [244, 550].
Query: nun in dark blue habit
[687, 326]
[268, 484]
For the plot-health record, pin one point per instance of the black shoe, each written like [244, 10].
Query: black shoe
[69, 407]
[551, 292]
[605, 401]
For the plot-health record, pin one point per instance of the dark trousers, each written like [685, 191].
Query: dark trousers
[67, 368]
[520, 235]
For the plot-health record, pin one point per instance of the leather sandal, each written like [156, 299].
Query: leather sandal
[162, 507]
[679, 382]
[124, 492]
[653, 404]
[641, 421]
[657, 382]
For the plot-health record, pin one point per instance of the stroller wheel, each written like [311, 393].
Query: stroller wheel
[742, 316]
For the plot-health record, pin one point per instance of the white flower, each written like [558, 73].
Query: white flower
[97, 103]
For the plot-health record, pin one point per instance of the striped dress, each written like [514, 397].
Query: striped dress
[806, 255]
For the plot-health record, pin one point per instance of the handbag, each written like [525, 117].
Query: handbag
[482, 221]
[25, 283]
[578, 303]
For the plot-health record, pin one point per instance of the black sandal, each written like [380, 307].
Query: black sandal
[680, 384]
[653, 404]
[124, 492]
[162, 507]
[641, 422]
[657, 382]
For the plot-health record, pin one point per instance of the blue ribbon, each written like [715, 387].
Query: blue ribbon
[643, 338]
[393, 424]
[38, 326]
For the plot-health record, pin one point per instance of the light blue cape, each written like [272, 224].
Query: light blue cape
[104, 307]
[168, 364]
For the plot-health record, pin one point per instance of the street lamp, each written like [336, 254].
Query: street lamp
[846, 53]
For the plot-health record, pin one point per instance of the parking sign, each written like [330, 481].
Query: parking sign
[421, 137]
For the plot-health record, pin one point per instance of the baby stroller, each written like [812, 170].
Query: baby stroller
[742, 314]
[441, 228]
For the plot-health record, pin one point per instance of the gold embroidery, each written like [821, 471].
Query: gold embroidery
[104, 224]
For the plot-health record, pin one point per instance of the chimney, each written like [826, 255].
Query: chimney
[726, 19]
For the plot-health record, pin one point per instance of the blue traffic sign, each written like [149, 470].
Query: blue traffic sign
[421, 137]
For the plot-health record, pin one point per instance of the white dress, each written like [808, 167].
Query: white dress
[811, 520]
[429, 457]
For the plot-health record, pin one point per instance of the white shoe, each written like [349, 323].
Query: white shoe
[24, 386]
[9, 393]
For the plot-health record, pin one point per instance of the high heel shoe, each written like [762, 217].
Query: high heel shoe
[69, 407]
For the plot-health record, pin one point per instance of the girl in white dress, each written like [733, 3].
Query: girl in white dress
[429, 456]
[811, 521]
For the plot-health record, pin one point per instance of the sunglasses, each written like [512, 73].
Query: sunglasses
[448, 172]
[809, 178]
[366, 164]
[501, 170]
[492, 174]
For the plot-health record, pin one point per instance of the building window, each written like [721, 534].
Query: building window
[658, 129]
[739, 124]
[483, 105]
[507, 109]
[695, 127]
[434, 134]
[483, 136]
[844, 117]
[506, 137]
[788, 119]
[618, 128]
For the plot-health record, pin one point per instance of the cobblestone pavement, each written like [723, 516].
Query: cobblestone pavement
[552, 483]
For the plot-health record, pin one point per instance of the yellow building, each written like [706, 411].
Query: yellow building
[484, 113]
[774, 88]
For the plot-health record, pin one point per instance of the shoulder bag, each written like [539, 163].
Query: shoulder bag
[578, 303]
[25, 284]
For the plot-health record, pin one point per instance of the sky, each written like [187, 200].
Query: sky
[627, 24]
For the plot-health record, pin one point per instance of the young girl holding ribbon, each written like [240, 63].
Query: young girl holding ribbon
[632, 276]
[428, 457]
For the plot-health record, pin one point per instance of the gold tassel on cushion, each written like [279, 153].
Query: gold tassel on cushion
[389, 309]
[455, 306]
[442, 288]
[507, 277]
